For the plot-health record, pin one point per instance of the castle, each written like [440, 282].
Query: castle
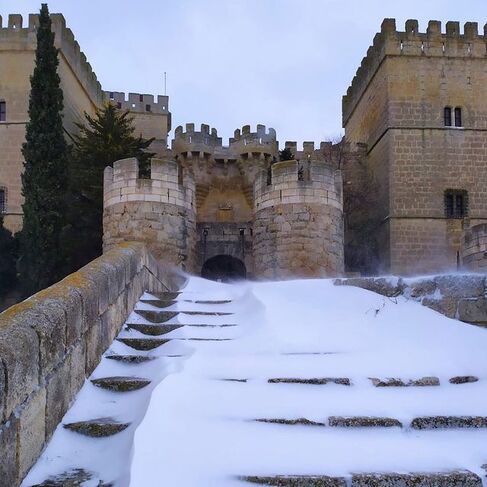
[405, 192]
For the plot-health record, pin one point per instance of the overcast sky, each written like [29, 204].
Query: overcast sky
[283, 63]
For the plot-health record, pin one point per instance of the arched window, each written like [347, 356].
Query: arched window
[3, 200]
[458, 117]
[447, 116]
[3, 111]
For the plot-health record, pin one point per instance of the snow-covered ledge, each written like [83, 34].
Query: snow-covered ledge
[459, 296]
[53, 340]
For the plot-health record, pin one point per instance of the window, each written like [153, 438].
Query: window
[3, 111]
[147, 108]
[447, 116]
[119, 104]
[458, 117]
[456, 203]
[3, 200]
[111, 95]
[141, 98]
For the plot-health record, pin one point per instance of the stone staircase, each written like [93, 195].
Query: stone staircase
[153, 337]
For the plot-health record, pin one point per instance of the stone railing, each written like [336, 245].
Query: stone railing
[52, 341]
[459, 296]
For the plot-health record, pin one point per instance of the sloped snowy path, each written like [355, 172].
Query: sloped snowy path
[194, 424]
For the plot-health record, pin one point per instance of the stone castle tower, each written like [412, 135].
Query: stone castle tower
[232, 207]
[419, 104]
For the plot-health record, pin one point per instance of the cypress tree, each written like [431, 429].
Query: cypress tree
[45, 170]
[7, 259]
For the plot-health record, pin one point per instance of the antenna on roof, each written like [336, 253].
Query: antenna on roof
[165, 84]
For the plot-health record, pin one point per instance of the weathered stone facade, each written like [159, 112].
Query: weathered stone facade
[82, 93]
[415, 156]
[276, 219]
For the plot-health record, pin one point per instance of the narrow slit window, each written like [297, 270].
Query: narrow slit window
[458, 117]
[447, 116]
[3, 200]
[147, 108]
[456, 203]
[3, 111]
[141, 98]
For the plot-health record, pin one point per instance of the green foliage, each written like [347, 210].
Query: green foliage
[105, 138]
[8, 251]
[286, 154]
[44, 177]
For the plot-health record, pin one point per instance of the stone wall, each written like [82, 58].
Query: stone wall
[474, 250]
[459, 296]
[158, 211]
[52, 341]
[298, 225]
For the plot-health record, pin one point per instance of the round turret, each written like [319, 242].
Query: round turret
[188, 141]
[249, 144]
[298, 221]
[159, 211]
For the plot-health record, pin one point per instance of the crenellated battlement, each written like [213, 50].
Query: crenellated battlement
[138, 102]
[122, 184]
[16, 36]
[450, 43]
[292, 182]
[205, 140]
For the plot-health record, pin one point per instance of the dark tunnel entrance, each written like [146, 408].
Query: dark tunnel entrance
[223, 268]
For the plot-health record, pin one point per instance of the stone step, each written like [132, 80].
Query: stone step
[443, 479]
[72, 478]
[393, 382]
[153, 330]
[166, 295]
[162, 329]
[130, 359]
[163, 316]
[165, 303]
[97, 428]
[318, 381]
[290, 422]
[463, 379]
[156, 316]
[450, 422]
[363, 422]
[143, 343]
[121, 384]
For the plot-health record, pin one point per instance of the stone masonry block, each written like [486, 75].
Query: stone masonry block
[19, 353]
[8, 447]
[94, 347]
[466, 286]
[473, 310]
[58, 396]
[78, 367]
[31, 431]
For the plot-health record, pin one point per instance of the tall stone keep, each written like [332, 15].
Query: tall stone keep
[158, 211]
[419, 103]
[298, 220]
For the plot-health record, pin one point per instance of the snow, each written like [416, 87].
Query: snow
[192, 428]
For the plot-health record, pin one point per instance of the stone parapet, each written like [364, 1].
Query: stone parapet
[122, 184]
[138, 102]
[291, 182]
[52, 341]
[474, 248]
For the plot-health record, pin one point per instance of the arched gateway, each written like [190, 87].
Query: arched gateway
[224, 268]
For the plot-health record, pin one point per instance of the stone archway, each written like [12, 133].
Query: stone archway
[224, 268]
